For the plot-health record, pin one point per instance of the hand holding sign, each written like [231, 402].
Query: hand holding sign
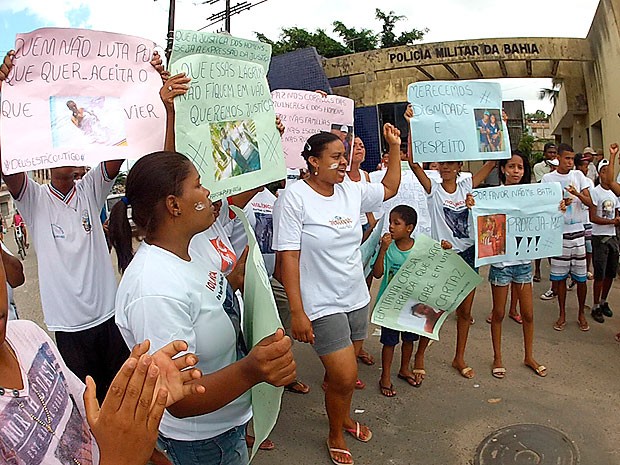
[7, 65]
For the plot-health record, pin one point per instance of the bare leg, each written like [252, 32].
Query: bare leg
[406, 351]
[582, 292]
[597, 290]
[607, 283]
[463, 322]
[500, 295]
[385, 383]
[560, 289]
[537, 269]
[341, 371]
[514, 300]
[527, 315]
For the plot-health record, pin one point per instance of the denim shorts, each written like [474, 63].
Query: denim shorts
[391, 337]
[335, 332]
[229, 448]
[518, 274]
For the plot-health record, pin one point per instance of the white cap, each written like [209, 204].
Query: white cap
[344, 128]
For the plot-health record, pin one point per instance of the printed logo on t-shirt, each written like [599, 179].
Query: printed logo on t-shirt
[608, 209]
[86, 224]
[264, 231]
[23, 438]
[458, 221]
[229, 259]
[340, 222]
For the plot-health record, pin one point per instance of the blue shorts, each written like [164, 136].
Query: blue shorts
[518, 274]
[469, 255]
[391, 337]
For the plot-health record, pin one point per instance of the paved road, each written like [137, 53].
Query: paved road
[443, 422]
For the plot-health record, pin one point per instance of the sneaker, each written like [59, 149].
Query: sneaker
[605, 310]
[597, 315]
[548, 295]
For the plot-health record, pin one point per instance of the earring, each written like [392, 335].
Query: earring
[177, 213]
[316, 171]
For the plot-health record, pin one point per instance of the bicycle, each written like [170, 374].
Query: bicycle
[19, 240]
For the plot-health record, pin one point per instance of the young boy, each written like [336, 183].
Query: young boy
[604, 216]
[395, 247]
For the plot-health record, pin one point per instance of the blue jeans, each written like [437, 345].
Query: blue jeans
[228, 448]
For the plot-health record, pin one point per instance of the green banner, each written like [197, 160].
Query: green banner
[260, 319]
[430, 285]
[226, 122]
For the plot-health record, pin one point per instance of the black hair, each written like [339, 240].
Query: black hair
[549, 145]
[153, 178]
[579, 159]
[527, 169]
[564, 148]
[315, 145]
[407, 213]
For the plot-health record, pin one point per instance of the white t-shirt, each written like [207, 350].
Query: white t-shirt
[328, 233]
[606, 204]
[363, 217]
[76, 277]
[576, 215]
[411, 193]
[45, 376]
[163, 298]
[450, 218]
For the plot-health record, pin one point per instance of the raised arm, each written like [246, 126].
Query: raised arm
[173, 87]
[613, 183]
[391, 180]
[483, 173]
[418, 171]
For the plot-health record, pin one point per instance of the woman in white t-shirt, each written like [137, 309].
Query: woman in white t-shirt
[451, 221]
[318, 233]
[170, 290]
[518, 274]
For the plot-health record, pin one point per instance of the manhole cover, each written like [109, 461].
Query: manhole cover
[526, 445]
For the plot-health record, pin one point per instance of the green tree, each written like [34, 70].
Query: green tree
[356, 41]
[526, 144]
[294, 38]
[388, 37]
[552, 93]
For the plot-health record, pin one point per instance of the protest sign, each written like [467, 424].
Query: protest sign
[457, 120]
[429, 285]
[521, 222]
[77, 97]
[226, 124]
[306, 113]
[410, 192]
[260, 319]
[370, 248]
[222, 45]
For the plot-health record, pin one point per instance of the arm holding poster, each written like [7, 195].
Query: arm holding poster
[391, 180]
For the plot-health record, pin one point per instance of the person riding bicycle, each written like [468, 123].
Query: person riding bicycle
[18, 222]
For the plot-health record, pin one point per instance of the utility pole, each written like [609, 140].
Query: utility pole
[170, 30]
[228, 11]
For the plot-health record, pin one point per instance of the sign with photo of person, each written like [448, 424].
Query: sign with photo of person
[457, 120]
[430, 285]
[306, 113]
[225, 122]
[260, 319]
[521, 222]
[78, 97]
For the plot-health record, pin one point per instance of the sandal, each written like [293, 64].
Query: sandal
[335, 450]
[584, 327]
[536, 278]
[559, 326]
[267, 444]
[516, 318]
[422, 374]
[499, 372]
[357, 432]
[359, 384]
[297, 387]
[540, 370]
[467, 372]
[387, 391]
[366, 358]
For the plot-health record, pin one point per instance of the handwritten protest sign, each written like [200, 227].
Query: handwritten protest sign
[260, 319]
[77, 97]
[226, 124]
[370, 248]
[429, 285]
[520, 222]
[305, 113]
[222, 45]
[457, 120]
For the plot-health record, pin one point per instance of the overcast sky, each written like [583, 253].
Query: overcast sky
[445, 19]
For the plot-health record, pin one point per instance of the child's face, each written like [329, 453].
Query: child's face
[398, 229]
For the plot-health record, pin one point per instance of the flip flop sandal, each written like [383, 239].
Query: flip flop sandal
[419, 371]
[359, 384]
[540, 370]
[357, 432]
[366, 359]
[297, 387]
[617, 337]
[536, 279]
[385, 390]
[499, 373]
[585, 327]
[465, 372]
[335, 450]
[267, 444]
[489, 319]
[516, 318]
[559, 327]
[408, 379]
